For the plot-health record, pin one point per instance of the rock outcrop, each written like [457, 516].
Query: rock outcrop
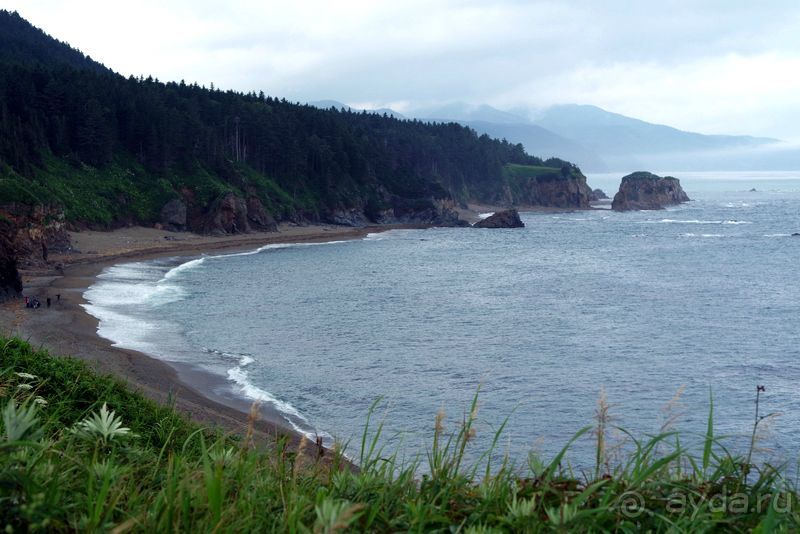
[553, 190]
[10, 280]
[259, 217]
[35, 232]
[598, 194]
[501, 219]
[647, 191]
[173, 215]
[232, 214]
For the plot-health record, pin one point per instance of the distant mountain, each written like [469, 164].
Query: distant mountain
[624, 142]
[515, 128]
[463, 112]
[328, 104]
[541, 142]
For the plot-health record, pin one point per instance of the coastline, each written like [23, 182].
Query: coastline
[66, 329]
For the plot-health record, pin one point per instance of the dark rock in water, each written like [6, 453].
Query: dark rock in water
[173, 215]
[647, 191]
[796, 234]
[598, 194]
[753, 190]
[501, 219]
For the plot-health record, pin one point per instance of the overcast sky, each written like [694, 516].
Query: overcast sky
[710, 66]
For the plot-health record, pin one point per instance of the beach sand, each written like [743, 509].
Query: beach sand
[66, 329]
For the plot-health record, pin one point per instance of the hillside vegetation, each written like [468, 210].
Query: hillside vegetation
[80, 451]
[113, 150]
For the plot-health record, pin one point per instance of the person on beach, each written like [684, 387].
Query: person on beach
[58, 297]
[27, 302]
[48, 302]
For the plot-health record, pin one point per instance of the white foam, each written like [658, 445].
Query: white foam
[703, 235]
[191, 264]
[485, 215]
[239, 376]
[777, 235]
[694, 221]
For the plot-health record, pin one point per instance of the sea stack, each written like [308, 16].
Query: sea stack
[647, 191]
[501, 219]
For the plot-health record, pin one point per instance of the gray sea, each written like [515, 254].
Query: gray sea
[659, 311]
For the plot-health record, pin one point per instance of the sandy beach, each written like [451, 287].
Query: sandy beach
[66, 329]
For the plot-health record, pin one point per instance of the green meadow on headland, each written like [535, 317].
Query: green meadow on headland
[80, 451]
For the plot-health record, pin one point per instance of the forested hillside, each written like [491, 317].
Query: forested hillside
[112, 150]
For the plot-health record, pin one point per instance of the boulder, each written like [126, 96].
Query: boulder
[647, 191]
[173, 215]
[501, 219]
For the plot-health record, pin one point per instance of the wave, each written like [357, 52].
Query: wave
[485, 215]
[191, 264]
[239, 376]
[703, 235]
[694, 221]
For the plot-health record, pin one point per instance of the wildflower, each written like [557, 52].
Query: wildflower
[24, 387]
[26, 376]
[40, 401]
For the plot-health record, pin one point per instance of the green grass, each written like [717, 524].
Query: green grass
[514, 170]
[124, 191]
[68, 463]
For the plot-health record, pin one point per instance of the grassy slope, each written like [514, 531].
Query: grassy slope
[125, 191]
[57, 473]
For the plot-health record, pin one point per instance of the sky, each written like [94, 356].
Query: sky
[709, 66]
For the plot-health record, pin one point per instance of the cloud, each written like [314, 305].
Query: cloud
[712, 66]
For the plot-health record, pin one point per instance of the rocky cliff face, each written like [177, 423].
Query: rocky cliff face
[227, 214]
[35, 231]
[647, 191]
[28, 234]
[10, 281]
[552, 190]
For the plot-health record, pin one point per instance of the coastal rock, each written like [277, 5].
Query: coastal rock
[560, 188]
[647, 191]
[598, 194]
[501, 219]
[35, 232]
[259, 217]
[226, 215]
[436, 211]
[10, 280]
[173, 215]
[354, 217]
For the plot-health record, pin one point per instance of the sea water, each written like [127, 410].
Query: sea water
[658, 311]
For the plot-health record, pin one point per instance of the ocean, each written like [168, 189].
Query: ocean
[658, 311]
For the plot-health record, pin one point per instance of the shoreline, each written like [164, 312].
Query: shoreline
[67, 330]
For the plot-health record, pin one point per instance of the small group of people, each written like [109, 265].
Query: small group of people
[34, 302]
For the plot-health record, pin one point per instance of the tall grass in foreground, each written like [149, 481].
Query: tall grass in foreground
[82, 452]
